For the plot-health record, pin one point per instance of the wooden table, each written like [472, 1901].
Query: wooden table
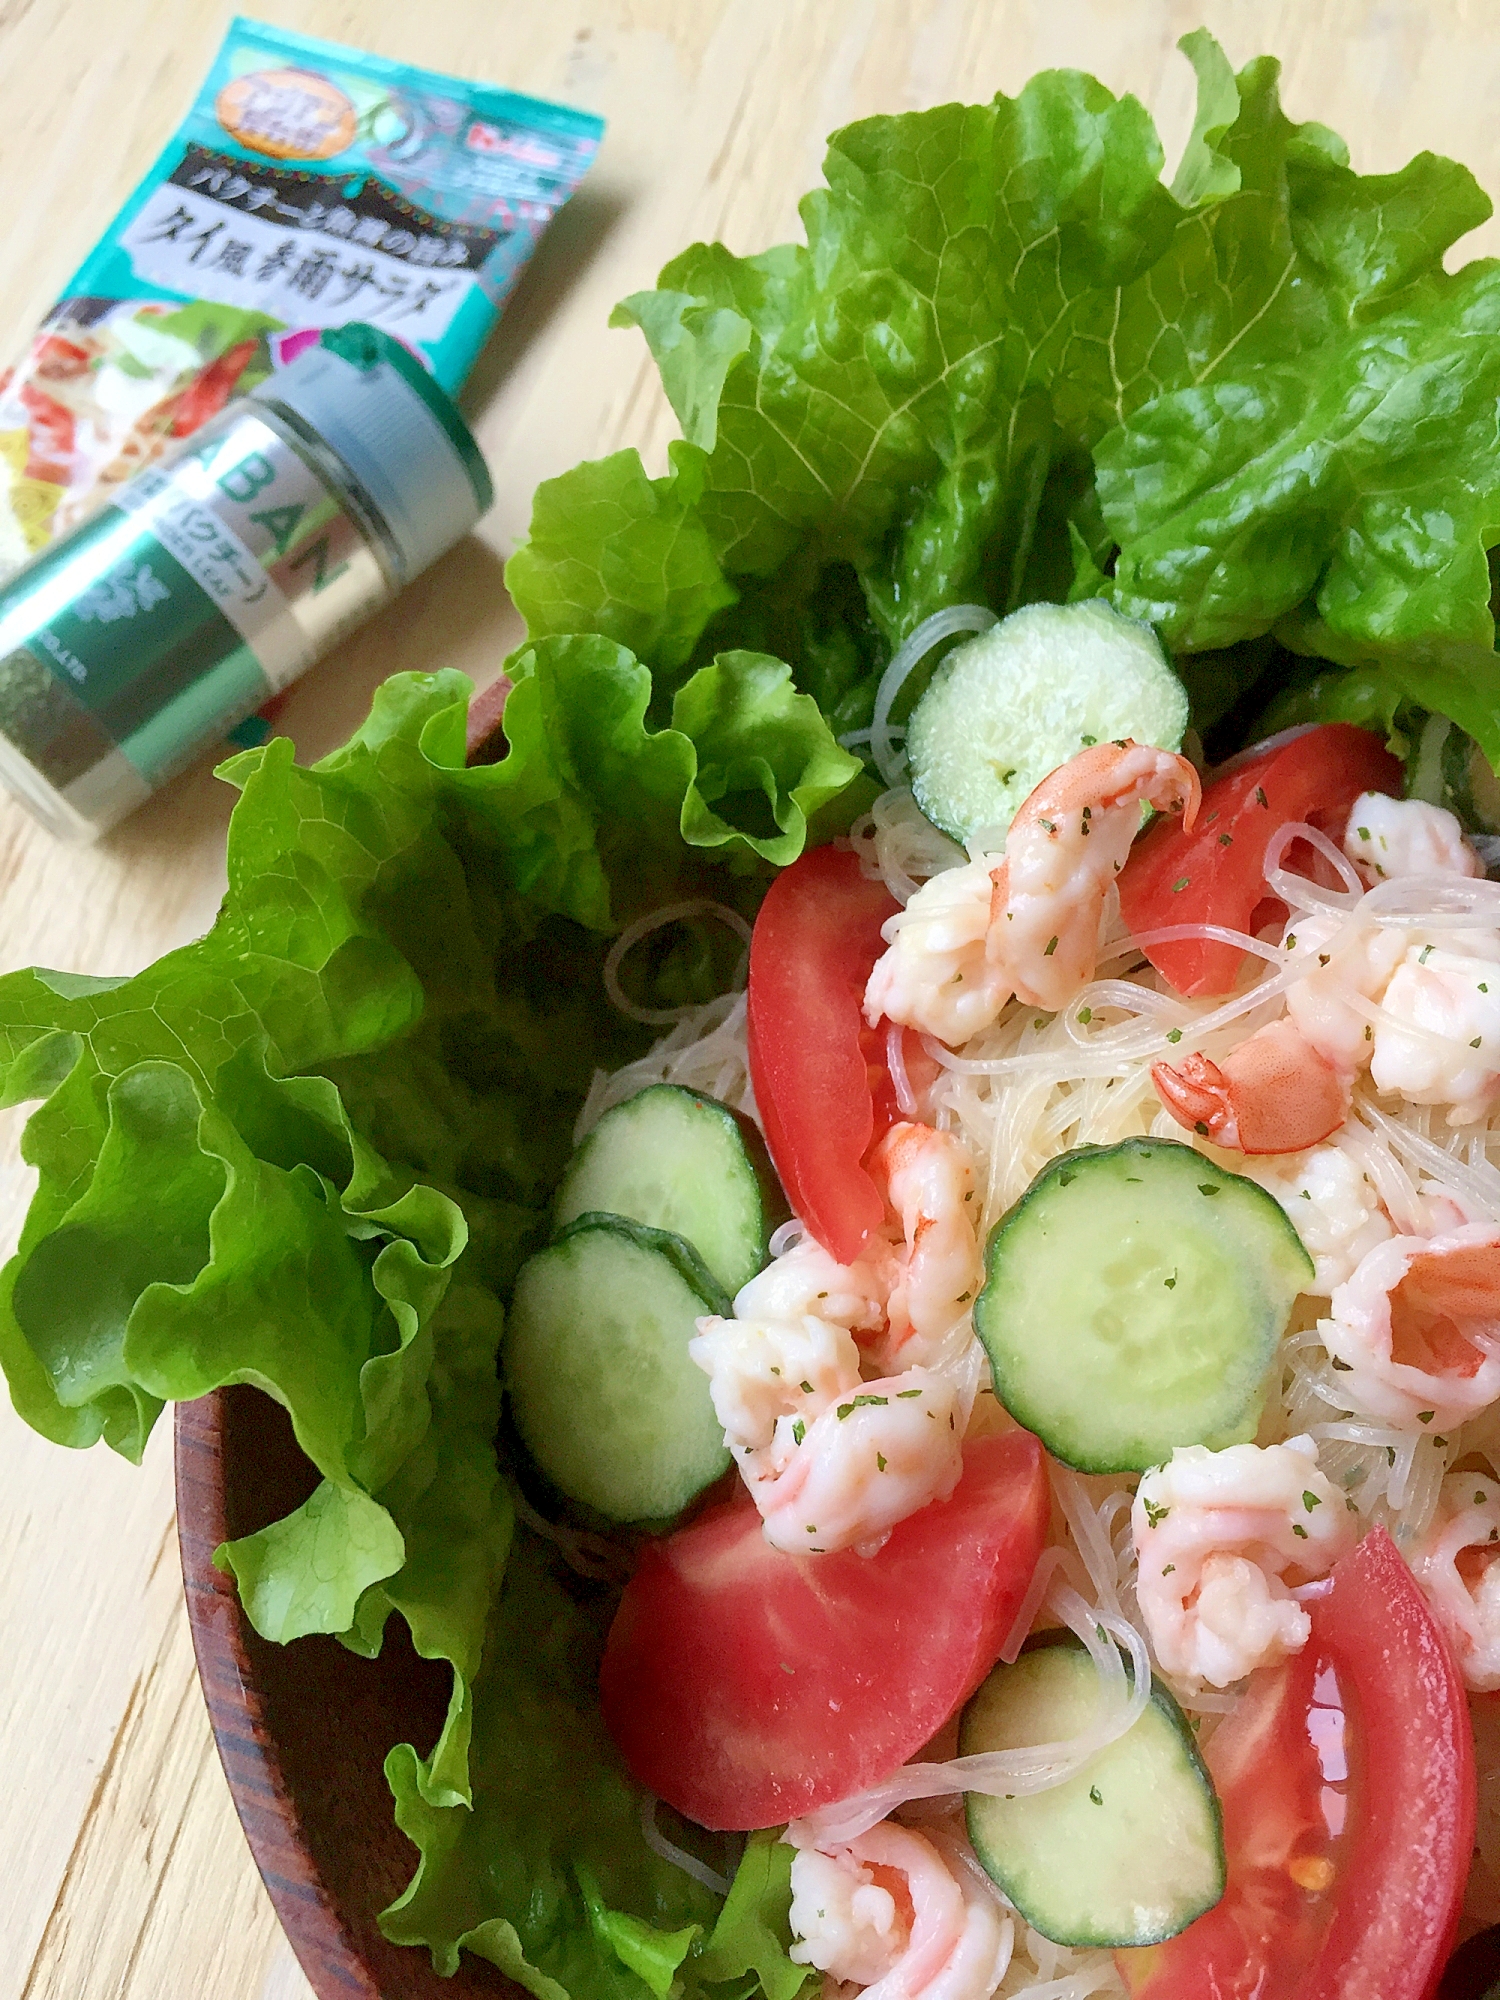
[123, 1875]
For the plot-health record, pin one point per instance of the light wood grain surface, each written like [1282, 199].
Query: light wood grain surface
[123, 1875]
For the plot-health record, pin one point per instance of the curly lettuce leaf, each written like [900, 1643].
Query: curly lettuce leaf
[550, 1798]
[310, 1151]
[1009, 364]
[549, 1876]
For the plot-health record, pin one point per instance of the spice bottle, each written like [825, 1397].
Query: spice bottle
[218, 575]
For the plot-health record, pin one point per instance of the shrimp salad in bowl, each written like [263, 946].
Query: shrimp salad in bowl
[1170, 1241]
[880, 1222]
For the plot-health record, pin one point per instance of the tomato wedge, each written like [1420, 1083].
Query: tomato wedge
[815, 941]
[212, 390]
[1347, 1781]
[1216, 873]
[745, 1686]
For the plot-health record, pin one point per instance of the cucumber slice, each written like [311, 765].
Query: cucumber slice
[1130, 1850]
[605, 1395]
[686, 1163]
[1005, 709]
[1133, 1300]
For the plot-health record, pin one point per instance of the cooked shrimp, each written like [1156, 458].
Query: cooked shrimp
[1217, 1534]
[1026, 922]
[788, 1351]
[928, 1182]
[1351, 963]
[888, 1913]
[1439, 1040]
[870, 1460]
[1272, 1094]
[1386, 838]
[1455, 1567]
[807, 1279]
[1415, 1332]
[1332, 1206]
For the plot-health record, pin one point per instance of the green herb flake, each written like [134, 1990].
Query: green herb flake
[1096, 1795]
[1299, 1531]
[1207, 1187]
[1085, 1015]
[807, 1388]
[799, 1431]
[1155, 1515]
[1425, 1416]
[1261, 799]
[905, 1395]
[1180, 884]
[1311, 1500]
[1051, 947]
[880, 1460]
[1174, 1035]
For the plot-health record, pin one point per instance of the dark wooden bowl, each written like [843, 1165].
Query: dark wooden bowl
[303, 1729]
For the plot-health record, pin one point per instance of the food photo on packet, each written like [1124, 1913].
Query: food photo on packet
[829, 1266]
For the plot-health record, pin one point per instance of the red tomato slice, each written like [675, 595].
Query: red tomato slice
[1216, 873]
[815, 941]
[212, 390]
[52, 433]
[745, 1686]
[1347, 1781]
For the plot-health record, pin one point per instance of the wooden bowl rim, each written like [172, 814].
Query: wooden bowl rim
[247, 1745]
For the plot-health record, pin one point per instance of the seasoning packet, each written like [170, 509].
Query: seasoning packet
[309, 186]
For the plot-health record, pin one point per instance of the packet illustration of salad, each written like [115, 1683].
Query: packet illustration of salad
[309, 185]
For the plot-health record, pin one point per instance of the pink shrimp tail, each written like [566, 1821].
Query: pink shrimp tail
[1443, 1296]
[1273, 1094]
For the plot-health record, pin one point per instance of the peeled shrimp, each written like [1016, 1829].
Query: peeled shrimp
[1415, 1332]
[1217, 1534]
[1386, 838]
[1332, 1206]
[1026, 922]
[1455, 1567]
[1272, 1094]
[1439, 1042]
[928, 1183]
[832, 1461]
[888, 1913]
[883, 1452]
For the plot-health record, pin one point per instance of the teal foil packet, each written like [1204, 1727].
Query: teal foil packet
[309, 186]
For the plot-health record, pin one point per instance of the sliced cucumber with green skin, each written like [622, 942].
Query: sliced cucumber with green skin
[604, 1393]
[1133, 1300]
[683, 1162]
[1127, 1852]
[1007, 708]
